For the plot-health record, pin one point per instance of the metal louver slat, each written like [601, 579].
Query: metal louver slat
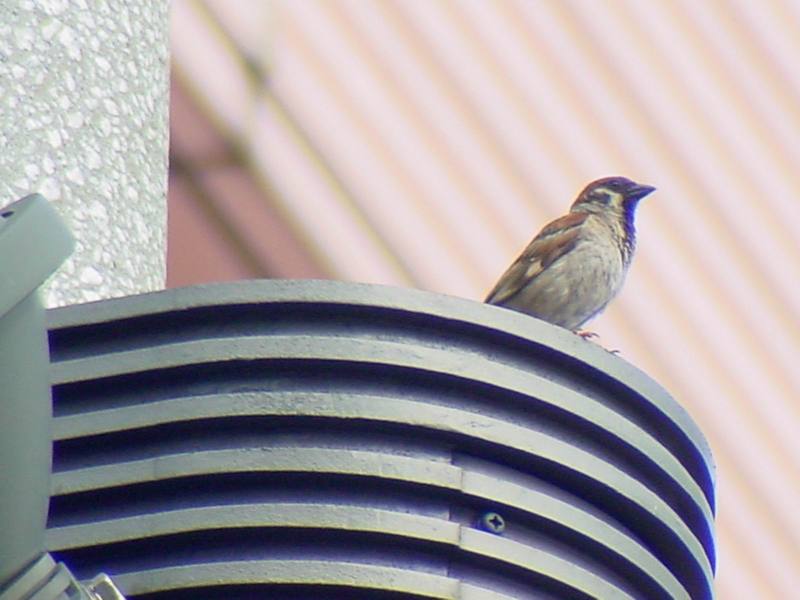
[352, 436]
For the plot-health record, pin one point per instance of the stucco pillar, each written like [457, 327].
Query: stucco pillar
[83, 121]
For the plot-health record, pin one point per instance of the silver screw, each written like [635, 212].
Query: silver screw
[493, 523]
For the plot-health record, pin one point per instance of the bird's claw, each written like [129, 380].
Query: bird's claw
[590, 335]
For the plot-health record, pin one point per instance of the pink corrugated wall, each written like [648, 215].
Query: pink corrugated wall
[422, 142]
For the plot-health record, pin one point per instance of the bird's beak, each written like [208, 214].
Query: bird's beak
[639, 191]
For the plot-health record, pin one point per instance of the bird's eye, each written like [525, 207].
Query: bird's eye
[602, 196]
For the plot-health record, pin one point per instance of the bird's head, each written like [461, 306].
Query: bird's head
[617, 196]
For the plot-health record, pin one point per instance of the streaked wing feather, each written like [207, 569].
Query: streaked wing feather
[556, 239]
[511, 282]
[568, 222]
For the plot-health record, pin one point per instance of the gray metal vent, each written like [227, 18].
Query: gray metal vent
[316, 439]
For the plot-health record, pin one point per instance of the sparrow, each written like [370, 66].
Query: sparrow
[576, 264]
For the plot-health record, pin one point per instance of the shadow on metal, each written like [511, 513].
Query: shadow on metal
[321, 439]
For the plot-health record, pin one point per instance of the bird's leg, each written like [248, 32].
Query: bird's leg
[587, 335]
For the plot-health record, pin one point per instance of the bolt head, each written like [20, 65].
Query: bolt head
[492, 522]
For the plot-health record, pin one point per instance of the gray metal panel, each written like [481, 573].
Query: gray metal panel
[323, 574]
[229, 408]
[369, 310]
[483, 546]
[33, 243]
[618, 432]
[536, 503]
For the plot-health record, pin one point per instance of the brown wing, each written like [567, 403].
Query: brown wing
[556, 239]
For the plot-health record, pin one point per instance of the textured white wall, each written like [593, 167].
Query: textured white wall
[83, 121]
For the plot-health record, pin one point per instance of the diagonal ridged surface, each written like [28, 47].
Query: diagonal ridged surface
[361, 426]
